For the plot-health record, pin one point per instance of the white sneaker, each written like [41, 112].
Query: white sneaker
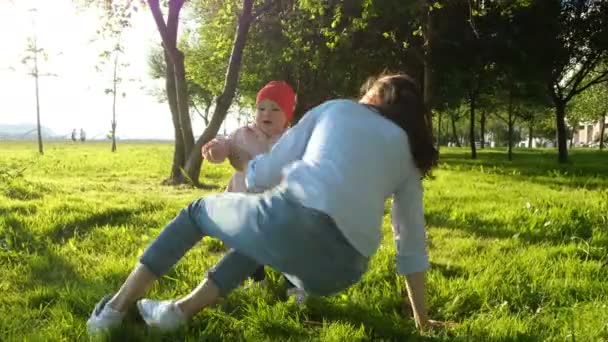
[164, 315]
[104, 317]
[299, 295]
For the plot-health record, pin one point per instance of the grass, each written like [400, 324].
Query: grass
[519, 251]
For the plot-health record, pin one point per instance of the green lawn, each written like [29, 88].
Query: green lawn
[519, 251]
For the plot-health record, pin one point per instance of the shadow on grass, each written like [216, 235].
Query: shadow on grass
[448, 271]
[112, 216]
[64, 231]
[211, 187]
[587, 168]
[578, 226]
[381, 322]
[21, 210]
[47, 276]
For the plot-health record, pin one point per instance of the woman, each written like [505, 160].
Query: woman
[328, 178]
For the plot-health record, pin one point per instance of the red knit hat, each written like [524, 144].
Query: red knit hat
[281, 93]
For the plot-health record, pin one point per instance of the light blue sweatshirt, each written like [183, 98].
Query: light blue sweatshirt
[345, 159]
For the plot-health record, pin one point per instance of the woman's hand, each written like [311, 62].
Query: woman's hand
[415, 286]
[414, 301]
[216, 151]
[430, 325]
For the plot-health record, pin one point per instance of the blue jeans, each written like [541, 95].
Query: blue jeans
[270, 229]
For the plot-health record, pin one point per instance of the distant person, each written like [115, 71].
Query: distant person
[83, 135]
[74, 138]
[320, 219]
[275, 103]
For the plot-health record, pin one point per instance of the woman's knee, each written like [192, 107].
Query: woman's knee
[177, 238]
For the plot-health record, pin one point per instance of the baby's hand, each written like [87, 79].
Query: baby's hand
[238, 157]
[216, 150]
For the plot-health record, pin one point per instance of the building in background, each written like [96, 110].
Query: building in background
[588, 134]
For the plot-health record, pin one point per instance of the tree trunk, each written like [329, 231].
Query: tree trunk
[181, 90]
[454, 135]
[438, 131]
[36, 76]
[176, 85]
[530, 132]
[602, 132]
[472, 99]
[193, 164]
[179, 156]
[482, 129]
[206, 117]
[113, 124]
[560, 117]
[428, 69]
[510, 122]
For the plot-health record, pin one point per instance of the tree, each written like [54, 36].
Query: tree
[111, 32]
[187, 159]
[33, 56]
[175, 82]
[224, 100]
[463, 53]
[567, 40]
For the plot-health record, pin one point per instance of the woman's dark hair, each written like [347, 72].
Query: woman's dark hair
[398, 98]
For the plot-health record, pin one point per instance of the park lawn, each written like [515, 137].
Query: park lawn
[519, 251]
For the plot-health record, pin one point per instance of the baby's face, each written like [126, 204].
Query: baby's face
[270, 118]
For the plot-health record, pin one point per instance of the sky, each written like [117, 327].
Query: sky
[75, 98]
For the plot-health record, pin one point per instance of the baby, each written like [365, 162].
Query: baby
[275, 104]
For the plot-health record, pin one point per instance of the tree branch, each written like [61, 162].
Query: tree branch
[262, 9]
[603, 77]
[199, 113]
[501, 118]
[580, 75]
[175, 7]
[160, 21]
[472, 21]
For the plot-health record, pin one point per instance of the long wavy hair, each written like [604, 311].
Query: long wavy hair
[398, 98]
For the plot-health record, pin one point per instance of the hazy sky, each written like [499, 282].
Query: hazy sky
[75, 97]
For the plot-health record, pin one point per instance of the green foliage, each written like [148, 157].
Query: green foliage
[591, 105]
[518, 251]
[207, 56]
[321, 48]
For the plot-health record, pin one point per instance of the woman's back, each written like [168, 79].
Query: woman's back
[353, 160]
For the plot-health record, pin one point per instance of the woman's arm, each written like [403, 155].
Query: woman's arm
[416, 292]
[265, 170]
[410, 239]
